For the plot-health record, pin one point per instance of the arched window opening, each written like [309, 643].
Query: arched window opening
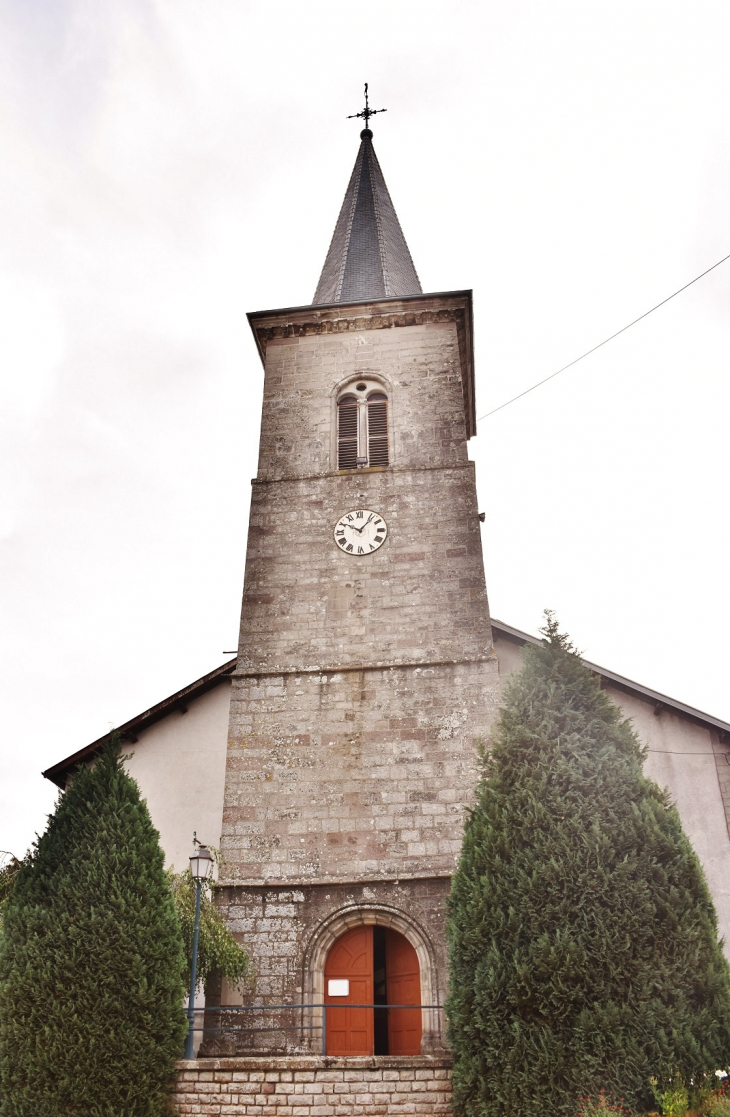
[362, 427]
[372, 994]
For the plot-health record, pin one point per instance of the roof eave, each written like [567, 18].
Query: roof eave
[622, 683]
[58, 773]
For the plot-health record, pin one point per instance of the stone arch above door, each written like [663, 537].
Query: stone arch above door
[354, 915]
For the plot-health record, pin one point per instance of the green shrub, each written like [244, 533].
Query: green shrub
[706, 1094]
[602, 1105]
[716, 1102]
[671, 1096]
[91, 958]
[583, 940]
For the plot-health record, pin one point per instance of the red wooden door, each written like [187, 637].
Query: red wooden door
[350, 1030]
[403, 979]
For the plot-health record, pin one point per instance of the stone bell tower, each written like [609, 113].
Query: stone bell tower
[366, 674]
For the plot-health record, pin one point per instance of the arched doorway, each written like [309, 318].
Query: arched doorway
[372, 965]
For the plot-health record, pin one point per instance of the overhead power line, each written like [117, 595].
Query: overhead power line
[604, 342]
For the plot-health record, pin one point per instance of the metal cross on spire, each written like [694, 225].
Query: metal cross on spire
[367, 112]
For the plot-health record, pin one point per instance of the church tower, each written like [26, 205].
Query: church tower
[366, 674]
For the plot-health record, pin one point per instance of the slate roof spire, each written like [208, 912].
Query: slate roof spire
[368, 257]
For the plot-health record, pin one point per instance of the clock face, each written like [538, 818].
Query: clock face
[360, 532]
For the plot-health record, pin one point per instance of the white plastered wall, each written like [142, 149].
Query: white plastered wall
[180, 766]
[680, 759]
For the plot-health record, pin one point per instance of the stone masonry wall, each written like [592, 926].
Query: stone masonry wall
[315, 1087]
[420, 367]
[363, 685]
[352, 775]
[420, 597]
[280, 928]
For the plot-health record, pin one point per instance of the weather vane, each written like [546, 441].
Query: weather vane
[367, 112]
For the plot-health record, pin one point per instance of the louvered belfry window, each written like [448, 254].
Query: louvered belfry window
[347, 432]
[377, 429]
[362, 426]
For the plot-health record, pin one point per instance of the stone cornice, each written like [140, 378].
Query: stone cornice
[247, 670]
[450, 467]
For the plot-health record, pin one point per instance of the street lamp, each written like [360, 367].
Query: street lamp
[201, 863]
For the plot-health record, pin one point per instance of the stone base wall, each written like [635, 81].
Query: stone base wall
[315, 1087]
[281, 927]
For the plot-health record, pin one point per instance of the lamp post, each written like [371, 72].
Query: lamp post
[201, 863]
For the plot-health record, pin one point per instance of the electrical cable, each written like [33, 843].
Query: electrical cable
[604, 342]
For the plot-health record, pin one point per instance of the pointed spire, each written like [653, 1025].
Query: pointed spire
[368, 257]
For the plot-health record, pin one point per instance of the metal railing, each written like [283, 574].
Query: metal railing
[308, 1019]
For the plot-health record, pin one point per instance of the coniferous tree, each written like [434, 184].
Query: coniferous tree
[9, 868]
[91, 994]
[583, 939]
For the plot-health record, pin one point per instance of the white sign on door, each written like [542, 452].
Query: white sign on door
[338, 987]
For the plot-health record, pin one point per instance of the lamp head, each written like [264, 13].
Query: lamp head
[201, 863]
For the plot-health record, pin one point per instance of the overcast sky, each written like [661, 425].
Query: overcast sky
[168, 165]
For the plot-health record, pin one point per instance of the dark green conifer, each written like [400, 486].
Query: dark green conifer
[91, 1017]
[583, 939]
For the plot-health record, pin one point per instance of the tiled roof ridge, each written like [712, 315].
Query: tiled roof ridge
[390, 285]
[356, 173]
[330, 280]
[379, 220]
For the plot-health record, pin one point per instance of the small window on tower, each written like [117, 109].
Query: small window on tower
[362, 427]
